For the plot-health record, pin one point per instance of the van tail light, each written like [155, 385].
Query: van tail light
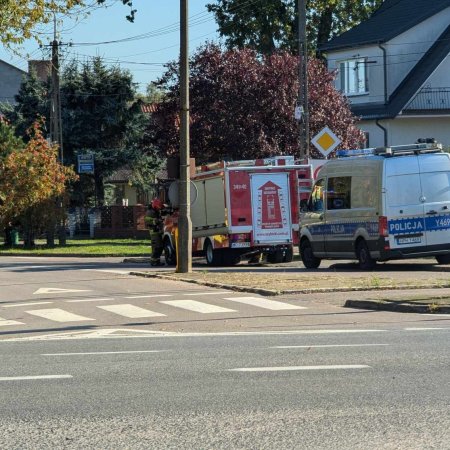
[383, 226]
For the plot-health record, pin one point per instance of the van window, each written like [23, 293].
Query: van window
[315, 202]
[403, 189]
[436, 186]
[339, 193]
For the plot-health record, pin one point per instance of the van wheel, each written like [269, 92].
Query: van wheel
[170, 255]
[443, 259]
[366, 262]
[213, 256]
[307, 255]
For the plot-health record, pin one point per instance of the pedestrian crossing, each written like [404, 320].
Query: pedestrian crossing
[55, 311]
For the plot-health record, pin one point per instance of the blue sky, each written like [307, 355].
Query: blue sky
[145, 56]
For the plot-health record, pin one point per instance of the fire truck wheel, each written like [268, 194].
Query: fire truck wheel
[307, 255]
[288, 255]
[230, 257]
[169, 253]
[276, 257]
[213, 256]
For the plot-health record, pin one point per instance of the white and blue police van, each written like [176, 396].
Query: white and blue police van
[379, 204]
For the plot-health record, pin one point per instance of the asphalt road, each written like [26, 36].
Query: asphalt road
[349, 389]
[93, 358]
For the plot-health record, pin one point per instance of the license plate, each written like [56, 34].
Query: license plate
[240, 244]
[409, 240]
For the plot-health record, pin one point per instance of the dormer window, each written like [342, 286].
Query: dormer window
[353, 76]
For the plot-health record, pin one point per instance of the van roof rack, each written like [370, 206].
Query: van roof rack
[408, 149]
[392, 150]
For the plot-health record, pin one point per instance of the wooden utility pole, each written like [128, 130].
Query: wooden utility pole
[303, 79]
[184, 262]
[56, 126]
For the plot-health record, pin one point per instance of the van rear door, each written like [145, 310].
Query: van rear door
[404, 204]
[435, 181]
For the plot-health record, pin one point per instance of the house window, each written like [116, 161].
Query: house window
[353, 76]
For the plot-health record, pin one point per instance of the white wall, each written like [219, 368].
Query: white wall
[406, 130]
[441, 76]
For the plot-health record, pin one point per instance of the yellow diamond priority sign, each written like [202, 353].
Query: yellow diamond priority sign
[326, 141]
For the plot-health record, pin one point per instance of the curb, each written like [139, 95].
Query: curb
[231, 287]
[405, 307]
[273, 292]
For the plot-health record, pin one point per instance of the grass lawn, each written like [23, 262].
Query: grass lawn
[85, 247]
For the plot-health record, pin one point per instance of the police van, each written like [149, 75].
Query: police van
[377, 205]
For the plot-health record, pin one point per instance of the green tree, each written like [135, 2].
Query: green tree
[271, 24]
[100, 116]
[20, 17]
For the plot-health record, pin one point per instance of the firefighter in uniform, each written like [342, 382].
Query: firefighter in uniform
[155, 224]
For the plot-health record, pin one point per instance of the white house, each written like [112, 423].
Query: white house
[395, 70]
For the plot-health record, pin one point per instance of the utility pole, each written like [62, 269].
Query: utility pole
[184, 262]
[303, 79]
[56, 127]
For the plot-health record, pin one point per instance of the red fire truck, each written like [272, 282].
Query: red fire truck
[243, 209]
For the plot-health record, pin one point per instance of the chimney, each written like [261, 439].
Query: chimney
[43, 68]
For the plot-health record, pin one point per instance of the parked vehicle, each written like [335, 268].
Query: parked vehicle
[244, 209]
[377, 205]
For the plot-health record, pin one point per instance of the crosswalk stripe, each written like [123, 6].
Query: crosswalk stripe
[264, 303]
[192, 305]
[27, 304]
[208, 293]
[6, 322]
[130, 311]
[58, 315]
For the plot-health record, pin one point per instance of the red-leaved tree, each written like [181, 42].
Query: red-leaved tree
[242, 106]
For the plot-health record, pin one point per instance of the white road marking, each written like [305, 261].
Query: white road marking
[425, 329]
[264, 303]
[130, 333]
[116, 271]
[437, 315]
[7, 323]
[131, 311]
[209, 293]
[35, 377]
[329, 346]
[200, 307]
[58, 315]
[89, 300]
[58, 291]
[294, 368]
[13, 305]
[102, 353]
[150, 296]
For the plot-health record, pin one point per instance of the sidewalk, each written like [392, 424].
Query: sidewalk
[406, 279]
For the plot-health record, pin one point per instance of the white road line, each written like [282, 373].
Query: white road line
[425, 329]
[36, 377]
[200, 307]
[13, 305]
[264, 303]
[209, 293]
[116, 271]
[131, 311]
[294, 368]
[437, 315]
[102, 353]
[58, 315]
[59, 291]
[7, 323]
[329, 346]
[150, 296]
[89, 300]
